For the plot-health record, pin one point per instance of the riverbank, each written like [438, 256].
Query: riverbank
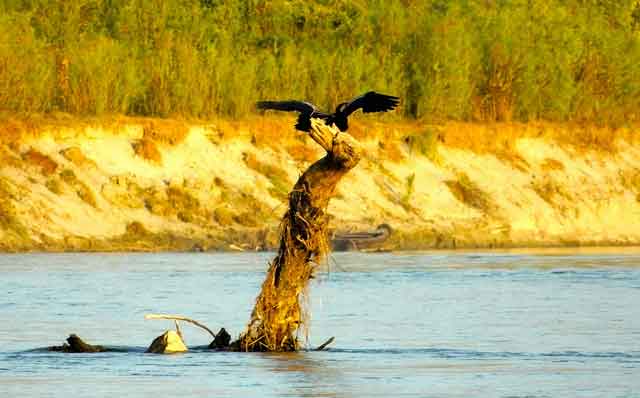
[140, 184]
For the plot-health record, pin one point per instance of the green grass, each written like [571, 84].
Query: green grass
[557, 60]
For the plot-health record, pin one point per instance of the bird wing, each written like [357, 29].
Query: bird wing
[372, 102]
[289, 106]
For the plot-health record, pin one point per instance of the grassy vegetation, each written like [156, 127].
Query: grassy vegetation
[9, 219]
[147, 149]
[278, 177]
[82, 190]
[549, 189]
[630, 179]
[520, 60]
[468, 192]
[38, 159]
[410, 188]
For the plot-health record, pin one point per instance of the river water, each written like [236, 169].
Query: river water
[551, 323]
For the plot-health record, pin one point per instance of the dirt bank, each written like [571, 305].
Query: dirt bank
[145, 184]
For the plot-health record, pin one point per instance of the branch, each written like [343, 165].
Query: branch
[179, 318]
[323, 134]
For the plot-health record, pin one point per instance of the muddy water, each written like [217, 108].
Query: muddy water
[444, 324]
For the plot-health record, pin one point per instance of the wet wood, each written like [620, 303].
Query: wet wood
[75, 344]
[278, 314]
[180, 318]
[221, 341]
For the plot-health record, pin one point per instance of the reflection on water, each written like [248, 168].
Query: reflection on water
[554, 322]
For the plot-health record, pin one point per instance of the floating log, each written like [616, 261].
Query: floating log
[278, 315]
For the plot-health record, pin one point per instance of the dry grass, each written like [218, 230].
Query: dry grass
[390, 150]
[277, 131]
[166, 131]
[630, 179]
[241, 207]
[9, 219]
[123, 191]
[278, 177]
[170, 202]
[549, 189]
[9, 158]
[502, 137]
[75, 156]
[54, 185]
[406, 198]
[46, 165]
[424, 143]
[467, 192]
[187, 206]
[552, 165]
[223, 215]
[273, 131]
[13, 127]
[301, 151]
[148, 150]
[81, 189]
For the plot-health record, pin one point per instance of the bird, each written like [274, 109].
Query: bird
[369, 102]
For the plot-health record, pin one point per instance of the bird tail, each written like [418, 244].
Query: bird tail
[262, 105]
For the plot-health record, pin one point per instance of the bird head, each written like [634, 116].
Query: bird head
[341, 107]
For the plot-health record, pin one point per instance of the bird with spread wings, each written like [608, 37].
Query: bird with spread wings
[368, 102]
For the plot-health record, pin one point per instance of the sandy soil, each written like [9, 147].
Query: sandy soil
[220, 186]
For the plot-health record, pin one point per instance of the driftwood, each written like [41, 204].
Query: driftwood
[344, 241]
[75, 344]
[180, 318]
[278, 313]
[221, 341]
[169, 343]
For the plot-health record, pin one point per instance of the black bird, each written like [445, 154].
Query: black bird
[369, 102]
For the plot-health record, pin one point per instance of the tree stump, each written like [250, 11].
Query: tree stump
[278, 314]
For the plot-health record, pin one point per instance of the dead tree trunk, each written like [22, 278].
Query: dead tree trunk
[278, 314]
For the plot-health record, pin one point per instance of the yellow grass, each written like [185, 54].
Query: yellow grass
[47, 165]
[276, 130]
[147, 149]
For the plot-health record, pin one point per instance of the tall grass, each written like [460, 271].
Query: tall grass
[463, 60]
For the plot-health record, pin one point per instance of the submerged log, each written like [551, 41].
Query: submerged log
[278, 314]
[221, 341]
[75, 344]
